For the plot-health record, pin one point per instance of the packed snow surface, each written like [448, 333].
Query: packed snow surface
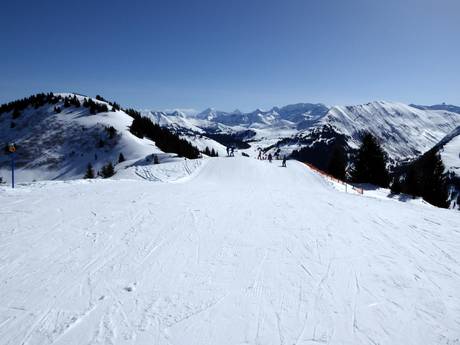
[242, 252]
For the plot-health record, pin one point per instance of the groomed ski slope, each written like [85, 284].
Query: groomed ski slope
[242, 252]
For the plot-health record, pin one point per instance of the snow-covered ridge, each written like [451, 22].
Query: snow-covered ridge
[60, 145]
[405, 131]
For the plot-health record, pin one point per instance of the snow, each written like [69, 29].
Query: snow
[240, 252]
[186, 128]
[450, 154]
[405, 131]
[60, 146]
[171, 170]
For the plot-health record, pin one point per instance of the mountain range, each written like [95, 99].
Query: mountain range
[59, 145]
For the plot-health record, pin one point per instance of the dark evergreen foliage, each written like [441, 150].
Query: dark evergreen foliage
[132, 112]
[34, 101]
[210, 153]
[107, 170]
[156, 160]
[121, 158]
[100, 143]
[115, 106]
[396, 186]
[318, 148]
[74, 101]
[338, 163]
[95, 107]
[16, 113]
[425, 177]
[89, 171]
[163, 137]
[370, 163]
[234, 140]
[111, 132]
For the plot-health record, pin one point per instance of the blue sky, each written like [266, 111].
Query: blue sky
[233, 54]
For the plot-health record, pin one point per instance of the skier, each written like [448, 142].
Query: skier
[232, 151]
[259, 156]
[270, 157]
[284, 162]
[228, 151]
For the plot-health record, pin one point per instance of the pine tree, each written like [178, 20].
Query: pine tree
[434, 188]
[155, 159]
[111, 131]
[16, 113]
[207, 152]
[121, 158]
[89, 171]
[166, 140]
[103, 108]
[337, 163]
[412, 182]
[370, 163]
[107, 170]
[396, 186]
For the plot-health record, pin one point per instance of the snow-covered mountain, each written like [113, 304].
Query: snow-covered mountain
[56, 141]
[287, 116]
[405, 131]
[186, 127]
[61, 144]
[443, 106]
[449, 151]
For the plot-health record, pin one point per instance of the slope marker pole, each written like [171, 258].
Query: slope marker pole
[12, 150]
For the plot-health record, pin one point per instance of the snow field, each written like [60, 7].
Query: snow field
[242, 252]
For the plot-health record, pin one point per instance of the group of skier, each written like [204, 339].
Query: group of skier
[261, 155]
[230, 151]
[269, 157]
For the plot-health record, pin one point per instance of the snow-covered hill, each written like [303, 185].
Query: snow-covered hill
[405, 132]
[449, 151]
[243, 252]
[59, 145]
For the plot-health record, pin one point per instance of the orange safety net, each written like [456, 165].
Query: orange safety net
[312, 167]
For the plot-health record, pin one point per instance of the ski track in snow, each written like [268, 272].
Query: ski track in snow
[243, 252]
